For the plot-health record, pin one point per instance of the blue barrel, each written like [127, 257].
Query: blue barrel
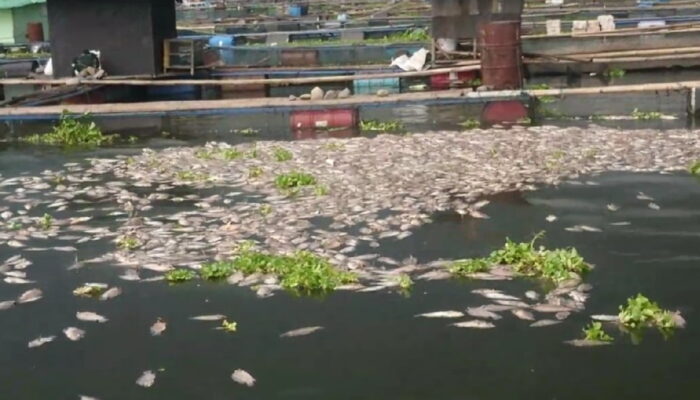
[222, 41]
[371, 86]
[297, 10]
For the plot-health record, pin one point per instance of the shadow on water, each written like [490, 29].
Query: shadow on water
[372, 346]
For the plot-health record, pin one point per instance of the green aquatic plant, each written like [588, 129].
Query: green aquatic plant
[595, 332]
[695, 168]
[538, 86]
[265, 209]
[246, 131]
[128, 242]
[527, 259]
[293, 180]
[204, 154]
[46, 222]
[301, 272]
[646, 115]
[614, 73]
[469, 266]
[231, 154]
[255, 172]
[332, 146]
[216, 270]
[471, 123]
[229, 326]
[373, 125]
[404, 281]
[476, 82]
[180, 275]
[72, 131]
[14, 226]
[321, 190]
[89, 290]
[282, 154]
[188, 175]
[641, 312]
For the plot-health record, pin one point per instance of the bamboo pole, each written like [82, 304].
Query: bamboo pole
[238, 82]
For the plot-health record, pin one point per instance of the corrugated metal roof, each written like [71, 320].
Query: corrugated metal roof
[4, 4]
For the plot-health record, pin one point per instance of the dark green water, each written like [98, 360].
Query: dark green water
[372, 347]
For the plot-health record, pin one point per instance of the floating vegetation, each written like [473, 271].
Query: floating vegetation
[72, 131]
[294, 180]
[216, 271]
[246, 131]
[373, 125]
[695, 168]
[595, 332]
[470, 266]
[302, 272]
[282, 154]
[46, 222]
[128, 242]
[180, 275]
[265, 209]
[405, 282]
[321, 190]
[192, 176]
[538, 86]
[255, 172]
[646, 115]
[471, 123]
[229, 326]
[333, 146]
[641, 312]
[228, 154]
[614, 73]
[476, 82]
[90, 290]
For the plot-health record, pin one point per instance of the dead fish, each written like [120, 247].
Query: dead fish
[544, 322]
[550, 308]
[89, 316]
[243, 377]
[212, 317]
[64, 248]
[83, 397]
[654, 206]
[16, 244]
[532, 295]
[302, 331]
[613, 207]
[40, 341]
[621, 223]
[16, 274]
[494, 294]
[147, 379]
[562, 315]
[110, 293]
[644, 197]
[551, 218]
[523, 314]
[6, 305]
[474, 324]
[678, 320]
[30, 296]
[158, 327]
[442, 314]
[74, 334]
[513, 304]
[605, 318]
[17, 281]
[496, 307]
[480, 312]
[586, 343]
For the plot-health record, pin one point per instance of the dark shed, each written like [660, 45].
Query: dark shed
[458, 19]
[129, 33]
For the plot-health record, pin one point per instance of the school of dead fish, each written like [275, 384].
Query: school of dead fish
[380, 189]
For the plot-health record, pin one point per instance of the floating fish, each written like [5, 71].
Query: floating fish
[551, 218]
[442, 314]
[654, 206]
[17, 281]
[40, 341]
[532, 295]
[243, 377]
[613, 207]
[474, 324]
[550, 308]
[480, 312]
[605, 318]
[562, 315]
[644, 197]
[110, 293]
[544, 322]
[6, 305]
[621, 223]
[586, 343]
[523, 314]
[212, 317]
[158, 327]
[30, 296]
[83, 397]
[90, 316]
[513, 303]
[73, 333]
[494, 294]
[147, 379]
[302, 331]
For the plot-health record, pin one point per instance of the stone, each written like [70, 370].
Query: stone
[305, 96]
[484, 88]
[382, 93]
[317, 93]
[292, 97]
[331, 95]
[344, 94]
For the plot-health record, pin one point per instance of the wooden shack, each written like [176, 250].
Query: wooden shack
[129, 34]
[458, 19]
